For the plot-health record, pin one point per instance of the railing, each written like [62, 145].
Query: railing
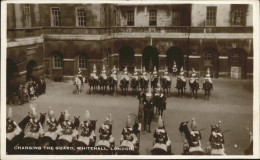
[37, 31]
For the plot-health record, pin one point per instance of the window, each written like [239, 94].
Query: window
[57, 60]
[152, 18]
[211, 16]
[82, 62]
[208, 59]
[27, 15]
[55, 17]
[81, 17]
[238, 15]
[176, 18]
[235, 57]
[130, 18]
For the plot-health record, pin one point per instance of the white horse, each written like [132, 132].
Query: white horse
[78, 84]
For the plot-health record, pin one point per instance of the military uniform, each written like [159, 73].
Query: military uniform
[193, 76]
[12, 129]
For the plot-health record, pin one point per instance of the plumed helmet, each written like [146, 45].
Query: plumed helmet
[125, 69]
[166, 69]
[67, 115]
[10, 113]
[193, 70]
[154, 70]
[128, 121]
[207, 75]
[114, 68]
[33, 110]
[135, 69]
[94, 67]
[174, 63]
[181, 73]
[193, 125]
[50, 112]
[114, 72]
[87, 115]
[208, 71]
[144, 69]
[110, 118]
[160, 122]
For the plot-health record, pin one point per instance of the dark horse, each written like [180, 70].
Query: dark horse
[103, 83]
[93, 83]
[159, 101]
[134, 85]
[181, 86]
[112, 84]
[207, 86]
[194, 86]
[166, 85]
[154, 82]
[124, 84]
[143, 84]
[184, 129]
[148, 114]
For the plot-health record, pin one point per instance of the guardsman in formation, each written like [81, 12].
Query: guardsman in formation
[181, 76]
[166, 76]
[113, 75]
[128, 135]
[135, 76]
[144, 75]
[12, 129]
[160, 135]
[68, 133]
[125, 75]
[155, 75]
[174, 69]
[193, 76]
[104, 74]
[53, 130]
[94, 73]
[208, 78]
[106, 131]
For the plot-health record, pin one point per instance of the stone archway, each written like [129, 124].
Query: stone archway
[31, 70]
[174, 54]
[126, 58]
[150, 58]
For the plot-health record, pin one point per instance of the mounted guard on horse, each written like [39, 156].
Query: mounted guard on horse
[181, 83]
[144, 81]
[103, 79]
[155, 78]
[174, 69]
[162, 143]
[194, 84]
[135, 81]
[93, 80]
[207, 84]
[112, 80]
[124, 82]
[166, 81]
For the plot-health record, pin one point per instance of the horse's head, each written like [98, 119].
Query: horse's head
[62, 117]
[93, 124]
[42, 118]
[136, 128]
[184, 127]
[76, 122]
[24, 122]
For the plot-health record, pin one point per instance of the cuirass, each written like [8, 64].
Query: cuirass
[35, 126]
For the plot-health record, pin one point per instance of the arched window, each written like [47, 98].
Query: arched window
[83, 62]
[208, 59]
[57, 61]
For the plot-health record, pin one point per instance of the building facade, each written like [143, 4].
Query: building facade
[55, 40]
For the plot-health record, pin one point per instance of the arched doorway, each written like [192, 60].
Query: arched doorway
[174, 54]
[30, 68]
[237, 62]
[150, 58]
[126, 58]
[210, 57]
[11, 73]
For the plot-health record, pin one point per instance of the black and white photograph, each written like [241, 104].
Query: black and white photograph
[135, 78]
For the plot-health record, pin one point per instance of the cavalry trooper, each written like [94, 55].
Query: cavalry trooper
[208, 78]
[125, 75]
[35, 126]
[127, 134]
[217, 138]
[193, 76]
[12, 129]
[144, 75]
[195, 134]
[135, 76]
[113, 75]
[104, 74]
[181, 76]
[174, 69]
[106, 131]
[166, 76]
[160, 135]
[87, 129]
[53, 130]
[155, 75]
[94, 73]
[79, 75]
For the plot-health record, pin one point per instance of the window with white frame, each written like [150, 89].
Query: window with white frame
[238, 15]
[176, 18]
[57, 61]
[27, 15]
[211, 16]
[208, 59]
[81, 17]
[130, 18]
[83, 62]
[152, 18]
[55, 17]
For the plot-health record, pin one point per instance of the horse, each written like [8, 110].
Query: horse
[187, 149]
[166, 85]
[181, 86]
[112, 84]
[194, 86]
[93, 83]
[42, 118]
[76, 123]
[207, 88]
[148, 114]
[143, 84]
[78, 84]
[160, 149]
[124, 84]
[103, 83]
[134, 85]
[154, 82]
[160, 103]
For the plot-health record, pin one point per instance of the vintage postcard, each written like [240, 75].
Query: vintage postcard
[129, 79]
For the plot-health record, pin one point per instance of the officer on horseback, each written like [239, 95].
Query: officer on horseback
[106, 131]
[160, 135]
[79, 75]
[174, 69]
[113, 75]
[135, 76]
[103, 74]
[207, 78]
[128, 135]
[125, 75]
[12, 129]
[94, 73]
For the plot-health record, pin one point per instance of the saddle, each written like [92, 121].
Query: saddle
[126, 143]
[195, 149]
[85, 140]
[103, 143]
[160, 146]
[68, 138]
[52, 135]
